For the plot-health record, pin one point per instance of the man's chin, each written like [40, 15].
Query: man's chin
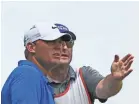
[62, 62]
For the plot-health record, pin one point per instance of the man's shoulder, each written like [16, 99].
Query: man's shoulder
[84, 69]
[24, 74]
[24, 69]
[20, 72]
[88, 72]
[25, 66]
[88, 68]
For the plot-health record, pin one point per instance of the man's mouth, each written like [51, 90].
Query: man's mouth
[61, 55]
[64, 55]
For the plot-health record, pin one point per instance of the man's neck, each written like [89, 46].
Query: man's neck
[58, 72]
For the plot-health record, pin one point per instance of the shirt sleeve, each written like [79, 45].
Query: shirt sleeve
[26, 87]
[92, 78]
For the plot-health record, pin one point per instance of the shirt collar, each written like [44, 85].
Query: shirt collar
[71, 73]
[27, 62]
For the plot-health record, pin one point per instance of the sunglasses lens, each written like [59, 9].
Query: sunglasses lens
[70, 43]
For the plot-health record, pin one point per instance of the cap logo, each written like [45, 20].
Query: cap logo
[53, 27]
[61, 28]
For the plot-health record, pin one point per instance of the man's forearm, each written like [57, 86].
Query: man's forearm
[108, 87]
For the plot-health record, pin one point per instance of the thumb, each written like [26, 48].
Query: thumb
[116, 58]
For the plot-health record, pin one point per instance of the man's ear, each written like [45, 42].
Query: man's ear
[31, 47]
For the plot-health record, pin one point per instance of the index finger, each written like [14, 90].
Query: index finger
[125, 58]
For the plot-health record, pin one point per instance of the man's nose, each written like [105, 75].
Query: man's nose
[64, 45]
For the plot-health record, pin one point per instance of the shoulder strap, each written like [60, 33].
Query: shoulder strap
[85, 86]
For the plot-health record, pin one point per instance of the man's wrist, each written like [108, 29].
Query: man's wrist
[117, 82]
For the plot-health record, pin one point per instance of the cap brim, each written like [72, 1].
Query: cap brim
[69, 34]
[72, 35]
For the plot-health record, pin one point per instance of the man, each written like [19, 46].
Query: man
[46, 77]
